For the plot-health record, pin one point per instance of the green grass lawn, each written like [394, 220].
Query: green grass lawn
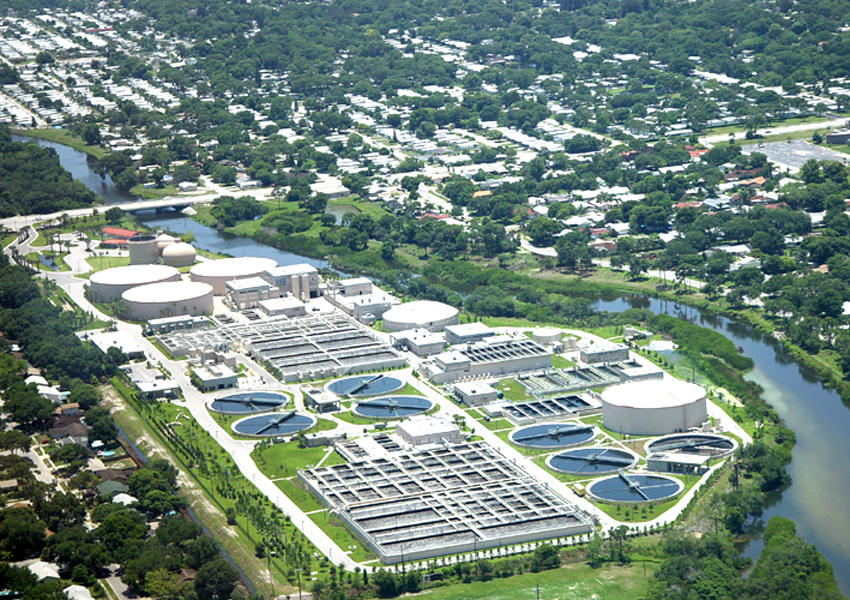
[559, 362]
[101, 263]
[497, 424]
[513, 390]
[302, 498]
[337, 531]
[572, 582]
[282, 460]
[154, 193]
[64, 137]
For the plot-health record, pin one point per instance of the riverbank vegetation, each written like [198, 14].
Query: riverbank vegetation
[33, 182]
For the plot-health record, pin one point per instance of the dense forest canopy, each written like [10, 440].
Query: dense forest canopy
[34, 182]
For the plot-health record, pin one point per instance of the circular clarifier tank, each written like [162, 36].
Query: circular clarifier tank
[365, 385]
[632, 487]
[699, 444]
[249, 402]
[274, 424]
[552, 435]
[392, 407]
[591, 461]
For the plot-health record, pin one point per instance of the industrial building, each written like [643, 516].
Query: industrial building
[179, 323]
[158, 300]
[419, 341]
[499, 355]
[118, 339]
[468, 333]
[241, 294]
[583, 378]
[434, 502]
[108, 285]
[550, 409]
[218, 272]
[360, 298]
[301, 280]
[420, 314]
[320, 399]
[603, 351]
[653, 407]
[282, 307]
[475, 393]
[300, 348]
[423, 431]
[215, 377]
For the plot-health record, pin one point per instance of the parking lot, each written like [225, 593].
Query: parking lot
[794, 154]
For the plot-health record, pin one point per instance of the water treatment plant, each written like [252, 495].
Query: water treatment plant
[392, 407]
[591, 461]
[522, 457]
[552, 436]
[635, 487]
[274, 424]
[249, 402]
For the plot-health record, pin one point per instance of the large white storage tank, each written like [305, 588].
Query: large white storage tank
[653, 407]
[171, 299]
[218, 272]
[108, 285]
[420, 314]
[143, 249]
[179, 254]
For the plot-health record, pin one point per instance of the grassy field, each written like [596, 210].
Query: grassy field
[64, 137]
[572, 582]
[154, 193]
[513, 390]
[336, 530]
[101, 263]
[559, 362]
[302, 498]
[282, 460]
[497, 425]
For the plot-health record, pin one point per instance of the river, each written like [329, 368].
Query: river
[818, 500]
[81, 166]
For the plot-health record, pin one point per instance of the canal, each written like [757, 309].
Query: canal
[818, 500]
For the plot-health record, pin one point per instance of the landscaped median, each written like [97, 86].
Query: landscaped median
[221, 498]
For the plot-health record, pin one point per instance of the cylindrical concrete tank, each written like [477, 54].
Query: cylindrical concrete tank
[218, 272]
[179, 254]
[163, 240]
[109, 285]
[544, 337]
[143, 250]
[653, 407]
[159, 300]
[424, 314]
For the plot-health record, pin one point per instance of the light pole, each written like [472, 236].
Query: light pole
[299, 582]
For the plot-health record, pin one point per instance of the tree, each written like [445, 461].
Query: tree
[386, 583]
[14, 440]
[85, 395]
[114, 215]
[215, 580]
[21, 533]
[542, 230]
[91, 134]
[161, 584]
[201, 551]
